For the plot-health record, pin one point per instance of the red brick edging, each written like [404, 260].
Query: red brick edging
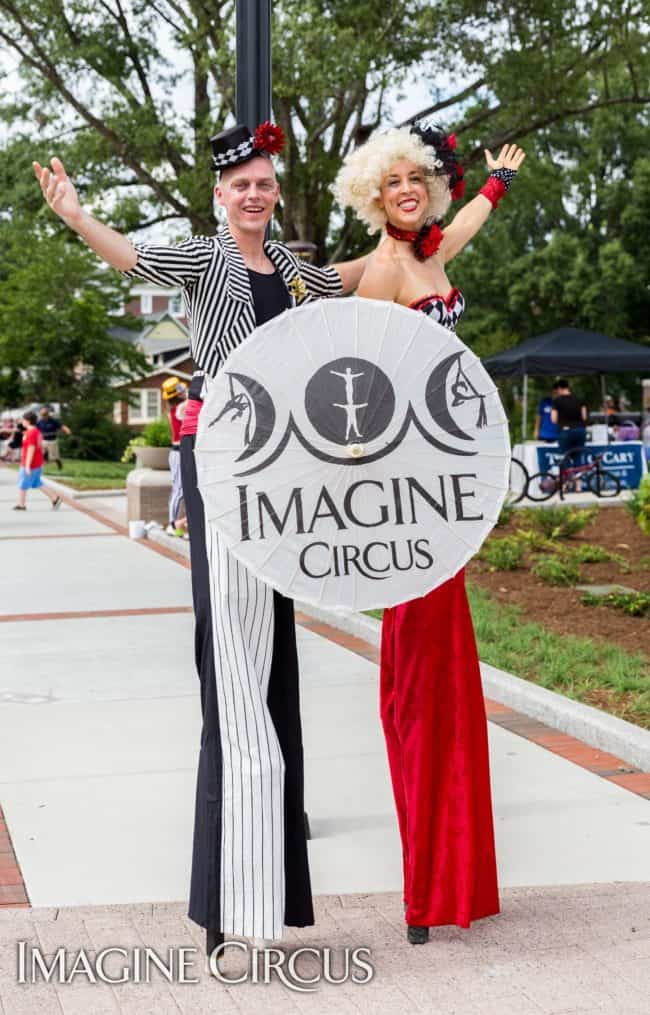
[144, 611]
[12, 886]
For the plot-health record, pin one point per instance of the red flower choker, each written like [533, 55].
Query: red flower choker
[426, 241]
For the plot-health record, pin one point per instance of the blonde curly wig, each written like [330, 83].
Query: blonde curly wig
[358, 181]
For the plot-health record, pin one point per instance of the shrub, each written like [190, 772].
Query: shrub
[639, 505]
[93, 436]
[587, 553]
[157, 434]
[504, 554]
[535, 540]
[561, 521]
[506, 514]
[636, 604]
[556, 570]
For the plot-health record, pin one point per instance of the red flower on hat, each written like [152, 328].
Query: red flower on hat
[451, 141]
[269, 138]
[459, 189]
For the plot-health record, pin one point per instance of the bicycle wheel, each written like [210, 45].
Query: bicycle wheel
[518, 484]
[603, 483]
[542, 486]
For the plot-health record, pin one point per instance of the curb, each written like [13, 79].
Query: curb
[179, 546]
[598, 729]
[73, 494]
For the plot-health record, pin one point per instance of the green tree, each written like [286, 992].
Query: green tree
[98, 81]
[57, 303]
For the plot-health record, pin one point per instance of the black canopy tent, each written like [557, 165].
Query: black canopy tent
[567, 351]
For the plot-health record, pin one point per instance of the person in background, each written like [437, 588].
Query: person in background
[174, 392]
[545, 428]
[31, 464]
[610, 407]
[49, 428]
[570, 416]
[7, 428]
[15, 442]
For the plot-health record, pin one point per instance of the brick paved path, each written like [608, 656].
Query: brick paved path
[580, 949]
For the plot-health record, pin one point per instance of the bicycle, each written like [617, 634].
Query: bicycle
[570, 478]
[518, 484]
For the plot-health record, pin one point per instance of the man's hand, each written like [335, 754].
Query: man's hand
[61, 196]
[59, 191]
[510, 157]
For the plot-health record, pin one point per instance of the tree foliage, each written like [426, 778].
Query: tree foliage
[129, 91]
[56, 307]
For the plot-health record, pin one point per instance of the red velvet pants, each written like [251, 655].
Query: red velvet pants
[433, 715]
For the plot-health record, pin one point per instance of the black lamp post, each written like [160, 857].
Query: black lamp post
[253, 88]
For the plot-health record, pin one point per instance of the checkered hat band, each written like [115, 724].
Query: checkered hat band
[234, 155]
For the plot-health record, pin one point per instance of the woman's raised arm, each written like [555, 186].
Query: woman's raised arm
[469, 220]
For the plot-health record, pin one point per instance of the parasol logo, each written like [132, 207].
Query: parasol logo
[350, 400]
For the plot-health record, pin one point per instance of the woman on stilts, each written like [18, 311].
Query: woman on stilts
[431, 702]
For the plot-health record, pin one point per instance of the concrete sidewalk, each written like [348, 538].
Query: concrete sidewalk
[100, 723]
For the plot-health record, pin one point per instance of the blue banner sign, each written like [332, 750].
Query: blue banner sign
[625, 459]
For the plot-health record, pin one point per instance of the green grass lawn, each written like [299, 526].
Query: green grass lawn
[581, 668]
[82, 475]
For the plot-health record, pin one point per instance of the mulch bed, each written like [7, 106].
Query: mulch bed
[560, 609]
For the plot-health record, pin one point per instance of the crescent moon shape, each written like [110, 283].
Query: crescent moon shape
[264, 414]
[436, 398]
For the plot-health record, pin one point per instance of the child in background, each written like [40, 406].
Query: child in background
[31, 464]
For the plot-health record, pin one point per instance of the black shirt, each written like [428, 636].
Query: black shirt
[569, 411]
[270, 296]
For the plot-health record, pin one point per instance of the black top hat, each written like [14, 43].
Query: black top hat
[236, 145]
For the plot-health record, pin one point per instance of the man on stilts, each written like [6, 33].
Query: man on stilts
[250, 874]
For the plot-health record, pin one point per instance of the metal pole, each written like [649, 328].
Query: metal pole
[524, 412]
[253, 84]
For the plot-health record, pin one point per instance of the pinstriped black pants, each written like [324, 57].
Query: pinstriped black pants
[250, 873]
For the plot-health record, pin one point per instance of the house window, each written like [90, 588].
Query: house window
[146, 303]
[144, 405]
[117, 412]
[135, 407]
[176, 305]
[152, 403]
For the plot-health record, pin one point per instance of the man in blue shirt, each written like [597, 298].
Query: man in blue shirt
[49, 427]
[545, 428]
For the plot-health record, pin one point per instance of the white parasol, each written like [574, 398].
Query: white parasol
[353, 453]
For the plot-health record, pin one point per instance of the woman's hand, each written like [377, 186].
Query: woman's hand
[58, 190]
[510, 157]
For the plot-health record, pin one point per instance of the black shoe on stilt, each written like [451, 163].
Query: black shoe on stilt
[417, 935]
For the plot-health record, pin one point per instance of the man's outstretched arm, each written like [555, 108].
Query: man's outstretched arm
[61, 196]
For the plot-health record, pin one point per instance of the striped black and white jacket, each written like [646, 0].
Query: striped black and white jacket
[216, 289]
